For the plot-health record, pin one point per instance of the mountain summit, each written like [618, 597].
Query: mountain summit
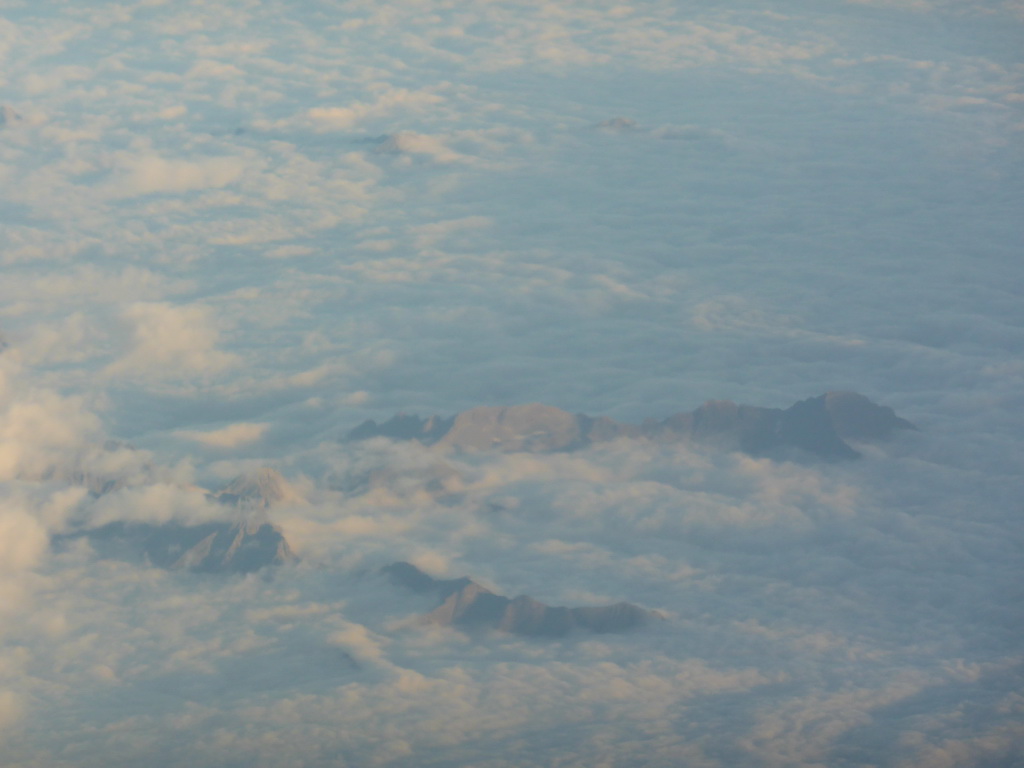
[216, 547]
[466, 605]
[260, 489]
[818, 426]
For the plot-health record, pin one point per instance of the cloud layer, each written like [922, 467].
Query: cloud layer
[232, 233]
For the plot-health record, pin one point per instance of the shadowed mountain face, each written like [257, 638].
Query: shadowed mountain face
[466, 605]
[404, 427]
[220, 547]
[857, 418]
[808, 425]
[817, 427]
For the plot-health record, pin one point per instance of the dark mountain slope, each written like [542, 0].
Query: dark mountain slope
[466, 605]
[815, 427]
[216, 547]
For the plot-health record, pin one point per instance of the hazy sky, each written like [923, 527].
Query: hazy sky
[229, 232]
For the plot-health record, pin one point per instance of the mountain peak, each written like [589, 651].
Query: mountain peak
[468, 606]
[259, 489]
[818, 427]
[856, 417]
[531, 427]
[242, 546]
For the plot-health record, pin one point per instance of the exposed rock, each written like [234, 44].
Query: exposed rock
[602, 429]
[533, 427]
[218, 547]
[468, 606]
[816, 426]
[807, 425]
[259, 490]
[412, 578]
[722, 424]
[404, 427]
[857, 418]
[813, 427]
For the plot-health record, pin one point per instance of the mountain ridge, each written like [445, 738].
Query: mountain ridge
[818, 426]
[240, 546]
[258, 490]
[468, 606]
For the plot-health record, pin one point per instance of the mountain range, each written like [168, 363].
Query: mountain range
[818, 427]
[240, 543]
[260, 489]
[244, 542]
[216, 547]
[466, 605]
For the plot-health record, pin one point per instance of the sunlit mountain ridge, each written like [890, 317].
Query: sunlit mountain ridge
[818, 426]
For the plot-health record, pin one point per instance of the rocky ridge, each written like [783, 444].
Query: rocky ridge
[243, 542]
[468, 606]
[260, 489]
[818, 427]
[215, 547]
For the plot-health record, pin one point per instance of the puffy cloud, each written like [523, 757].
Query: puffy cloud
[36, 83]
[146, 174]
[41, 432]
[408, 143]
[22, 539]
[999, 744]
[230, 436]
[11, 709]
[155, 503]
[168, 341]
[428, 235]
[388, 100]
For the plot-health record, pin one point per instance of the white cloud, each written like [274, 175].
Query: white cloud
[408, 143]
[11, 709]
[997, 745]
[41, 432]
[168, 342]
[428, 235]
[50, 292]
[170, 112]
[22, 539]
[35, 84]
[155, 503]
[230, 436]
[913, 5]
[388, 100]
[70, 340]
[210, 69]
[145, 174]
